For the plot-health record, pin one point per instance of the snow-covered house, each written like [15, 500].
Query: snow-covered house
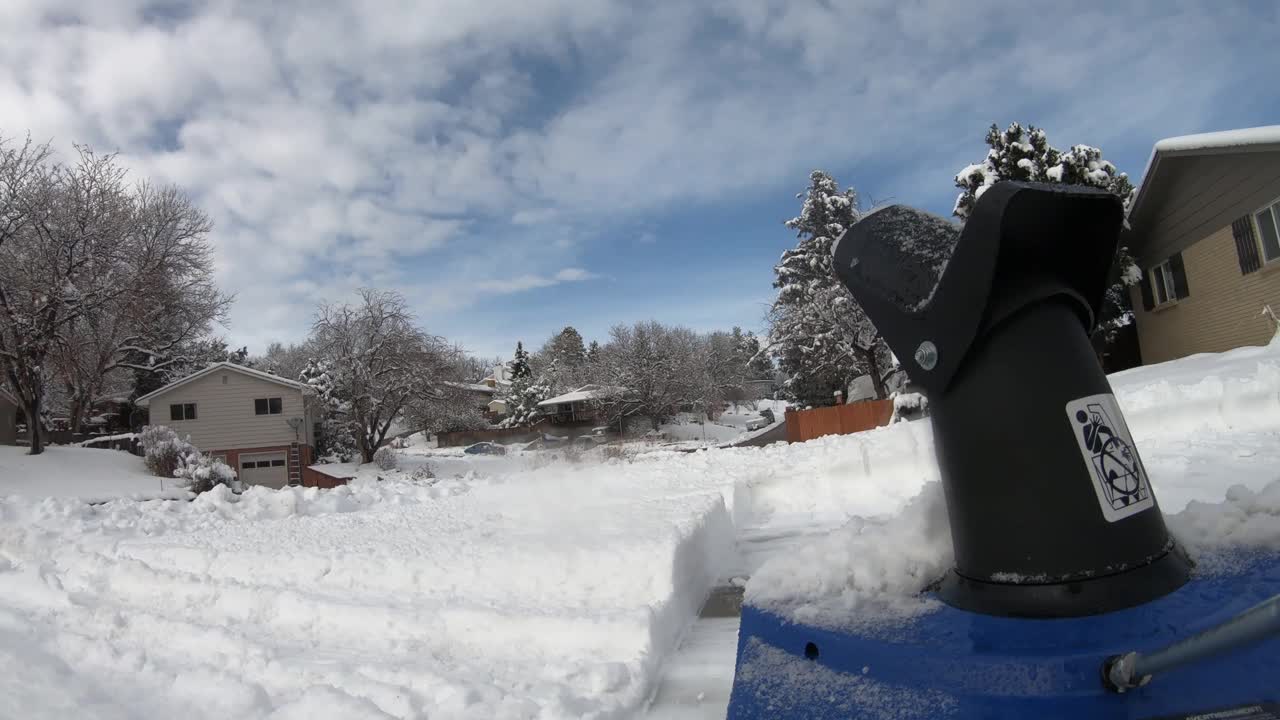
[258, 423]
[498, 381]
[1205, 232]
[575, 406]
[8, 418]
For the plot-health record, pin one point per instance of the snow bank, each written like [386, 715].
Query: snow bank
[459, 598]
[1235, 390]
[87, 473]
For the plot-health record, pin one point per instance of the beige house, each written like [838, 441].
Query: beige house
[1205, 231]
[260, 424]
[8, 418]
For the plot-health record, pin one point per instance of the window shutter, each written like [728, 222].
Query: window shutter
[1148, 299]
[1246, 245]
[1179, 276]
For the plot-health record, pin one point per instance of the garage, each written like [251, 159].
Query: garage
[266, 469]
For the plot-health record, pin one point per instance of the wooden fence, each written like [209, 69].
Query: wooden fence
[837, 420]
[497, 435]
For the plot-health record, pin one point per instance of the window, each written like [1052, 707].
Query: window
[1162, 283]
[268, 406]
[277, 463]
[1268, 221]
[182, 411]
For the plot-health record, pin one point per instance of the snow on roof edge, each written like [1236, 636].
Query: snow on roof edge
[146, 399]
[1242, 137]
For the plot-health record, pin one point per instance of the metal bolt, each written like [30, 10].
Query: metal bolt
[927, 355]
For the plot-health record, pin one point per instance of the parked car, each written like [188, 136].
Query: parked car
[485, 448]
[765, 419]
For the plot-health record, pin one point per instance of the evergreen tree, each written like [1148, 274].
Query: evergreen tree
[567, 349]
[1025, 154]
[821, 337]
[524, 393]
[519, 365]
[593, 353]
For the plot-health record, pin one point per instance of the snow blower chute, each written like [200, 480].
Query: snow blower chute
[1069, 598]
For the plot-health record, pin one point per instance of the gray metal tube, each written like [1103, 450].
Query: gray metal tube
[1257, 623]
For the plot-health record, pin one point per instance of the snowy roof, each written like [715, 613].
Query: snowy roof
[586, 392]
[1224, 141]
[1244, 137]
[474, 387]
[145, 399]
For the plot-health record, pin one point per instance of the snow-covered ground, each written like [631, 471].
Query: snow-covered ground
[85, 473]
[520, 587]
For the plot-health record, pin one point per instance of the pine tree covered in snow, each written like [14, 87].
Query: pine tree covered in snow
[1025, 154]
[821, 337]
[524, 393]
[519, 365]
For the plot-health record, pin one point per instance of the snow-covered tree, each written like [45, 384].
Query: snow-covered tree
[1019, 153]
[563, 360]
[651, 370]
[90, 267]
[453, 406]
[525, 391]
[284, 360]
[820, 335]
[593, 353]
[519, 365]
[759, 366]
[373, 362]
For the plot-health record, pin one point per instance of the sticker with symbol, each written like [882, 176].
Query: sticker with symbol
[1110, 455]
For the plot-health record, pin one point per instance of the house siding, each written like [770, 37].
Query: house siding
[225, 418]
[1222, 311]
[1202, 194]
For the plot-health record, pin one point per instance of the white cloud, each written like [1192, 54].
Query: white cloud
[340, 144]
[529, 281]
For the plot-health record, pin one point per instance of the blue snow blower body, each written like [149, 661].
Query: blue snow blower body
[1069, 598]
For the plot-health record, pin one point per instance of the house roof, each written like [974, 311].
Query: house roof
[586, 392]
[1197, 184]
[473, 387]
[145, 399]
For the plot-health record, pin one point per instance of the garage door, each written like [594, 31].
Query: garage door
[267, 469]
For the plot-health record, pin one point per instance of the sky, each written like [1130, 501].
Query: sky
[515, 167]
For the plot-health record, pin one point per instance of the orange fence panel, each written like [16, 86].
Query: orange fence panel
[855, 417]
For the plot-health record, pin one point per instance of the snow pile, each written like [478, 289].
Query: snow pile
[460, 598]
[864, 572]
[1235, 390]
[87, 473]
[1244, 520]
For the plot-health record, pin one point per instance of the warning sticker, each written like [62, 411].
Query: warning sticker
[1118, 475]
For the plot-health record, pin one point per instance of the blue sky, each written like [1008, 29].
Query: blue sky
[516, 167]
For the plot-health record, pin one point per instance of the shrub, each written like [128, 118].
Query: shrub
[423, 472]
[200, 473]
[163, 450]
[385, 458]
